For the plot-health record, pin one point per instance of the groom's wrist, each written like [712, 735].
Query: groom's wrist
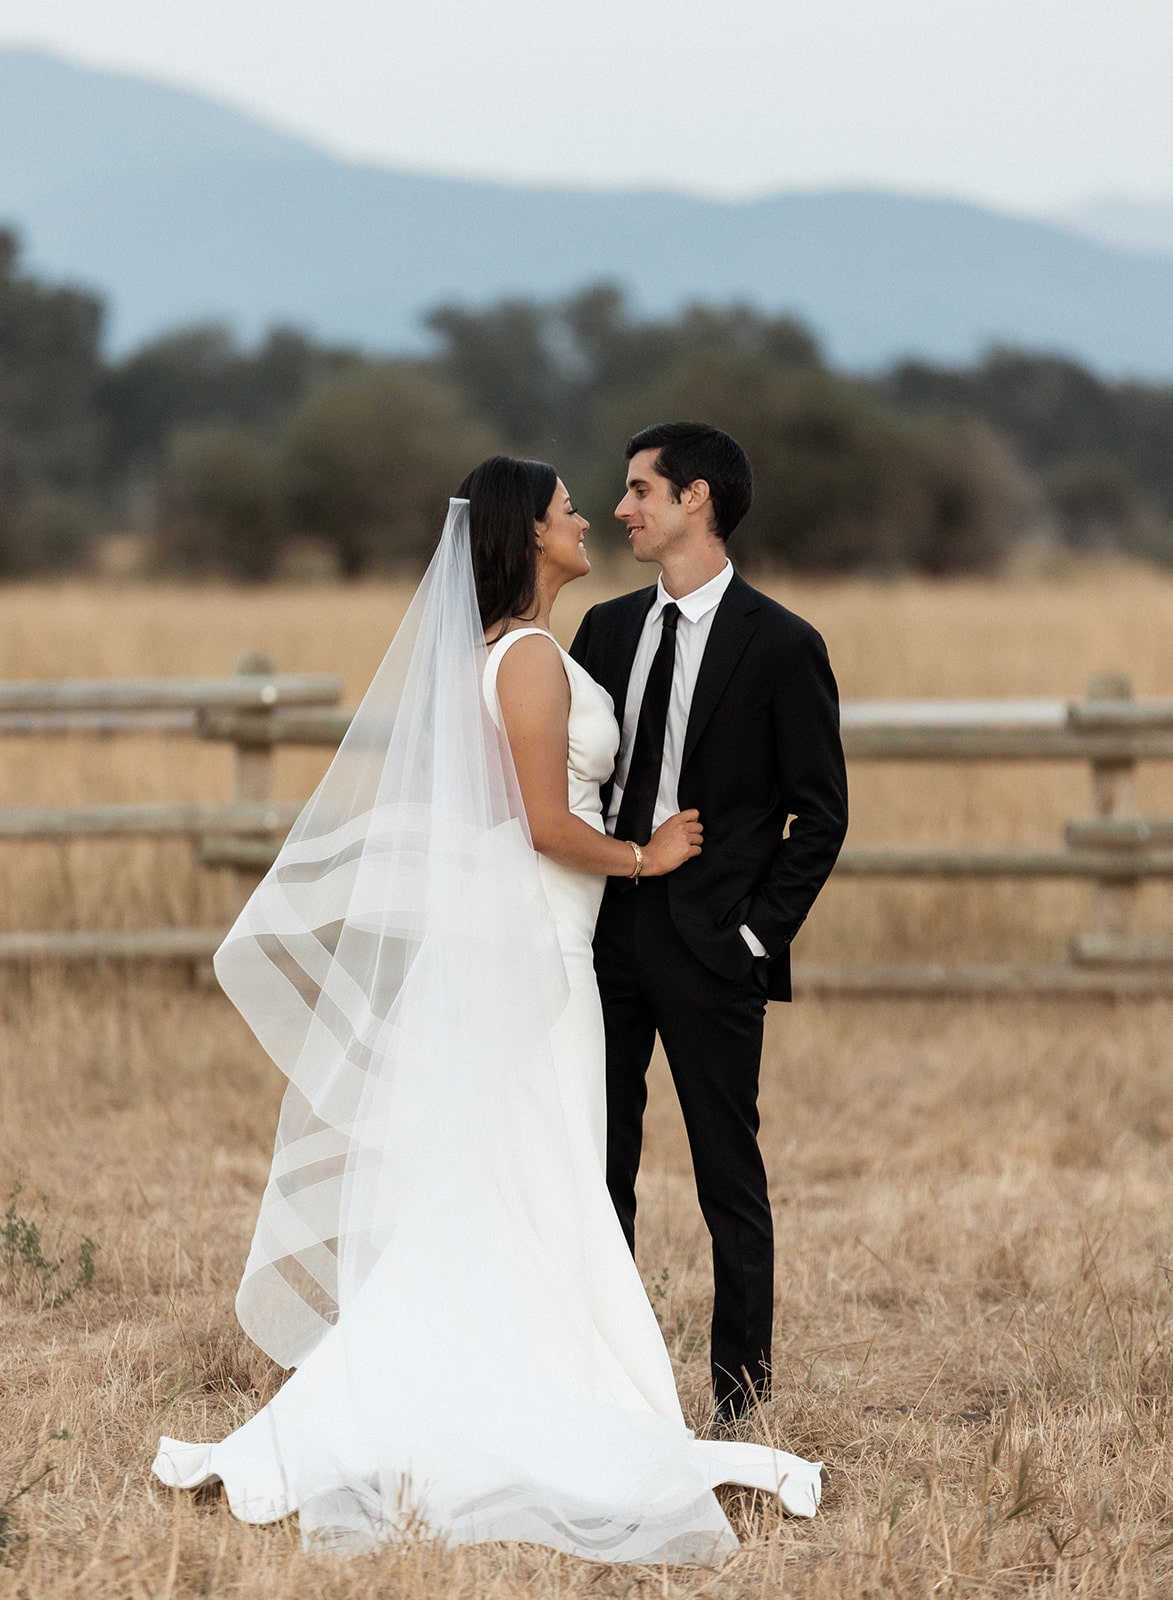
[754, 944]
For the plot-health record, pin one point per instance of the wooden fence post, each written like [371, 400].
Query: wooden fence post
[252, 764]
[1113, 795]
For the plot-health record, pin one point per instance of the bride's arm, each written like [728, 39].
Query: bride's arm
[534, 696]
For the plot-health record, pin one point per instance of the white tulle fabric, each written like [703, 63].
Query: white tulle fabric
[436, 1252]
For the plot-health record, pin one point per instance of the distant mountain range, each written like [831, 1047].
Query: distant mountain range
[177, 208]
[1131, 224]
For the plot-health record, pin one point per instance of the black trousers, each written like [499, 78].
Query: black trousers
[711, 1029]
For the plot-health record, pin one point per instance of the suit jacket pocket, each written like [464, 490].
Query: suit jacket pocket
[735, 916]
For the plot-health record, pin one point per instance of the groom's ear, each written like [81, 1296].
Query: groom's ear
[696, 495]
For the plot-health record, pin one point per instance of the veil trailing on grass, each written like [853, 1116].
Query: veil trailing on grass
[399, 964]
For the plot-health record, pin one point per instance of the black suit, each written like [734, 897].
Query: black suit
[762, 744]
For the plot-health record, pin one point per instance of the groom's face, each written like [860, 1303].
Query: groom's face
[653, 515]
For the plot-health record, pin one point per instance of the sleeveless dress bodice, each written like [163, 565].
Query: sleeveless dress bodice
[592, 744]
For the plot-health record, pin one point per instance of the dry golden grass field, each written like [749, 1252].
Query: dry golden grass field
[974, 1199]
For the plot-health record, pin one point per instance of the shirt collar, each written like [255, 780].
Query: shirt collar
[700, 602]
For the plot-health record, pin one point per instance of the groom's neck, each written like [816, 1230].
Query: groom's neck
[691, 569]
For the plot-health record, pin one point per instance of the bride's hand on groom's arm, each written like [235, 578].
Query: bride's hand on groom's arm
[674, 842]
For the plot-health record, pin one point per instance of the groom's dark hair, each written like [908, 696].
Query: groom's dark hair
[692, 450]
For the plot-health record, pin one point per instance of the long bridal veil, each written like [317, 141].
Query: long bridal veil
[404, 909]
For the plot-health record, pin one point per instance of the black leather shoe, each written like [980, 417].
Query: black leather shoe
[728, 1420]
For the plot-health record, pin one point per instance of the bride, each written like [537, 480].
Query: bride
[436, 1252]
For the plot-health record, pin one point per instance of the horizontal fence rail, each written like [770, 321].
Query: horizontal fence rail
[1116, 729]
[259, 711]
[148, 822]
[193, 945]
[873, 730]
[899, 861]
[909, 980]
[246, 690]
[173, 706]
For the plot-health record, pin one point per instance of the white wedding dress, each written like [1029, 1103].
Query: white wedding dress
[499, 1373]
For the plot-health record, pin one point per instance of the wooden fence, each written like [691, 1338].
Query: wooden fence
[258, 711]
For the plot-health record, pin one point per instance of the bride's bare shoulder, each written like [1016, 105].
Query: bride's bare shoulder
[532, 668]
[518, 635]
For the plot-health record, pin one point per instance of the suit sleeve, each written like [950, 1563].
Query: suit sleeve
[813, 781]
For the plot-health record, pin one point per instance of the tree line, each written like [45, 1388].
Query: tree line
[227, 460]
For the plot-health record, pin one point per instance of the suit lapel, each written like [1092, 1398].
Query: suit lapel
[620, 658]
[732, 629]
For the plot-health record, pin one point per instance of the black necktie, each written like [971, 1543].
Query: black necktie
[638, 805]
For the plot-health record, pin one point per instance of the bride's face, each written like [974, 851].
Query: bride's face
[560, 537]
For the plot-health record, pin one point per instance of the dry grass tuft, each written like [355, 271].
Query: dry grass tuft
[975, 1317]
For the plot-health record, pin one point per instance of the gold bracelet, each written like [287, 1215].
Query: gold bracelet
[639, 861]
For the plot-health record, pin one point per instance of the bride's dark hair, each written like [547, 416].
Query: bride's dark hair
[506, 496]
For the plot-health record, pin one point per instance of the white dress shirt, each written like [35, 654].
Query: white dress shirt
[697, 611]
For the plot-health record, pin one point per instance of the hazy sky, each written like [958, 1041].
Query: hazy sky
[1032, 104]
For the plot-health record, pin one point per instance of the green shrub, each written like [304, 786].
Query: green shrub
[30, 1277]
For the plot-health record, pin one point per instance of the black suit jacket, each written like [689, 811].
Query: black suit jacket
[762, 744]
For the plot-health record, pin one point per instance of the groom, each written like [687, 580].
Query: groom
[728, 704]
